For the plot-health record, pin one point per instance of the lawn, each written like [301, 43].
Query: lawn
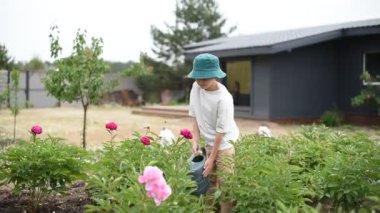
[66, 122]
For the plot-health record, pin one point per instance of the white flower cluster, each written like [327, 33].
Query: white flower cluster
[264, 131]
[166, 137]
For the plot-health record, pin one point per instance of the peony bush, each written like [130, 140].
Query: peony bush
[317, 169]
[135, 175]
[41, 167]
[314, 166]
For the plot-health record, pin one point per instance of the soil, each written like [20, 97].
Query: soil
[74, 200]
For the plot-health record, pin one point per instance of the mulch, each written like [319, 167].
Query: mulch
[74, 200]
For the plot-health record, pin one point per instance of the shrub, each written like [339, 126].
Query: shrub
[315, 165]
[263, 176]
[42, 167]
[352, 172]
[331, 118]
[3, 97]
[370, 93]
[113, 179]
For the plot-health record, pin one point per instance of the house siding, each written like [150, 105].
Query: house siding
[350, 61]
[261, 90]
[303, 82]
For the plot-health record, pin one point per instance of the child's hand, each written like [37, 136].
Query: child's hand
[209, 166]
[195, 148]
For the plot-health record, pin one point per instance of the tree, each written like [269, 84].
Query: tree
[35, 64]
[80, 76]
[15, 76]
[153, 76]
[118, 67]
[196, 20]
[138, 69]
[370, 94]
[6, 63]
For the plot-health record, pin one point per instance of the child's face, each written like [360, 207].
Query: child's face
[207, 84]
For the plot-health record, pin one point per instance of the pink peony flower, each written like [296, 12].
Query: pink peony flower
[155, 184]
[36, 130]
[186, 133]
[151, 174]
[111, 126]
[145, 140]
[158, 191]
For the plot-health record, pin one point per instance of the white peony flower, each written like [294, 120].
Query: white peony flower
[166, 137]
[264, 131]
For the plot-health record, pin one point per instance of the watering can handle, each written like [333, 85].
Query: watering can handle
[204, 152]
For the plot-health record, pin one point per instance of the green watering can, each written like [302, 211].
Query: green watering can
[197, 162]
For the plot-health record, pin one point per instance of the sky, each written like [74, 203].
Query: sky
[125, 25]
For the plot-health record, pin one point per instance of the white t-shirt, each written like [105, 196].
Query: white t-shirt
[214, 112]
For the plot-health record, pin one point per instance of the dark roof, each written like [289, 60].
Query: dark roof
[273, 42]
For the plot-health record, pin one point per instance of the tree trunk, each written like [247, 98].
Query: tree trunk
[85, 106]
[27, 87]
[9, 89]
[14, 128]
[14, 117]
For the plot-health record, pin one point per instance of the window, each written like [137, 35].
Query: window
[372, 65]
[239, 81]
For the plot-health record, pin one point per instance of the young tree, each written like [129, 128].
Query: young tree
[15, 76]
[80, 76]
[196, 20]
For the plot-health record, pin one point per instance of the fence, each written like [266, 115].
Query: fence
[33, 93]
[32, 89]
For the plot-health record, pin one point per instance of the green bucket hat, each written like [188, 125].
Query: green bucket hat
[206, 66]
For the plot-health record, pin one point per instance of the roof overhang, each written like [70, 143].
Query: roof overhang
[284, 46]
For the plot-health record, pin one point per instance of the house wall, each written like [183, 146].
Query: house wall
[302, 82]
[259, 99]
[351, 67]
[261, 80]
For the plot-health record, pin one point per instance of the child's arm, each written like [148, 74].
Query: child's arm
[210, 162]
[196, 134]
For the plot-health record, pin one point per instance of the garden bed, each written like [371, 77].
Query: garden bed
[314, 169]
[74, 200]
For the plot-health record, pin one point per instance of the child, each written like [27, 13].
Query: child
[212, 107]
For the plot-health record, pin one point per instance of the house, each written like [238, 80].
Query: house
[298, 74]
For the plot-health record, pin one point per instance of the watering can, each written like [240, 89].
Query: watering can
[197, 162]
